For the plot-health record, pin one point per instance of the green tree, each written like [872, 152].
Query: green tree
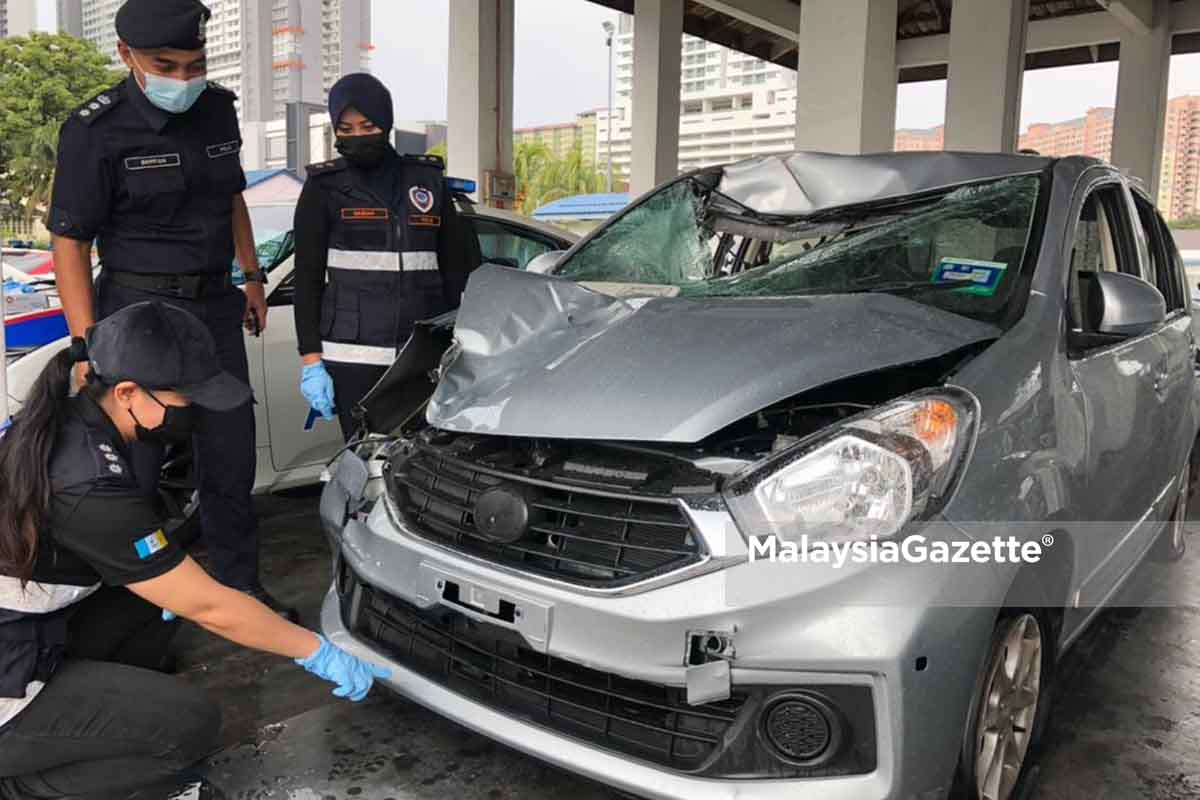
[43, 77]
[438, 150]
[543, 176]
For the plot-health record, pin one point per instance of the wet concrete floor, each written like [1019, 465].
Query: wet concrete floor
[1126, 722]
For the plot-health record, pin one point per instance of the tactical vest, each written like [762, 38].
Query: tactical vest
[382, 265]
[33, 618]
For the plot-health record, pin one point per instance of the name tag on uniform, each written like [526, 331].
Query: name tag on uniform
[352, 214]
[223, 149]
[152, 162]
[424, 220]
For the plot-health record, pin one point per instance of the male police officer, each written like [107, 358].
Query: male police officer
[150, 169]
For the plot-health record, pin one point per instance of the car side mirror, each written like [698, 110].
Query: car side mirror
[1128, 306]
[1116, 307]
[544, 263]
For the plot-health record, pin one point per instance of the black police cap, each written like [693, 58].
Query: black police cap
[160, 346]
[149, 24]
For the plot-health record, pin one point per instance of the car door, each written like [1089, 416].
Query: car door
[1122, 469]
[1175, 375]
[299, 438]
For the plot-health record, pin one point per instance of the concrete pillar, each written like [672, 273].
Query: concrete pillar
[657, 31]
[1142, 98]
[846, 76]
[987, 67]
[480, 101]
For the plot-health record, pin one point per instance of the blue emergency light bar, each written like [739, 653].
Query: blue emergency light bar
[461, 185]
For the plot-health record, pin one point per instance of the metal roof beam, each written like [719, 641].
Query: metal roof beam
[780, 17]
[1136, 15]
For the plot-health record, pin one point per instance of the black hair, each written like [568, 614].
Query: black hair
[25, 450]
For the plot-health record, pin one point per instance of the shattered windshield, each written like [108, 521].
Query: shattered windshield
[960, 250]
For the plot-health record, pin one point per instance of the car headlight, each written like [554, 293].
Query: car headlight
[864, 477]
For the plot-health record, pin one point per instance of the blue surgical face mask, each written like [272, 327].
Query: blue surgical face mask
[171, 94]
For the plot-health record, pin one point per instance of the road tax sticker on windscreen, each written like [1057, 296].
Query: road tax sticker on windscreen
[976, 277]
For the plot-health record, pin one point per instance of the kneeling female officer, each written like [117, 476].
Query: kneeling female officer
[85, 568]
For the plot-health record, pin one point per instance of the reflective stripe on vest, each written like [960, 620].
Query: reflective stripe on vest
[420, 261]
[344, 353]
[365, 260]
[383, 260]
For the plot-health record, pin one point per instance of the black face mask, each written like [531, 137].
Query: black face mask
[364, 152]
[179, 422]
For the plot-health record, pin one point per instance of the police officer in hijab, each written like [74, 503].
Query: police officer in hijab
[150, 171]
[86, 567]
[379, 246]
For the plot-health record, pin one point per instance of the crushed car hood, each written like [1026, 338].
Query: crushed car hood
[541, 356]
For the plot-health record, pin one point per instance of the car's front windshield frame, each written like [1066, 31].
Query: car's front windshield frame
[1004, 313]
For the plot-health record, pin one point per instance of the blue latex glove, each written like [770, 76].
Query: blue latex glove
[353, 676]
[317, 388]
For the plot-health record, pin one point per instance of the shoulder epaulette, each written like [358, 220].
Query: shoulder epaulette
[326, 167]
[219, 89]
[98, 106]
[425, 159]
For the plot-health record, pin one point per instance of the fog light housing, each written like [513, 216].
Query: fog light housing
[802, 729]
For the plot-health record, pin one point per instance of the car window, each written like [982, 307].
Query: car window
[1101, 244]
[1163, 268]
[508, 245]
[273, 239]
[961, 250]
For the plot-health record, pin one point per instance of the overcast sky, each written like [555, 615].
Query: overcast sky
[561, 59]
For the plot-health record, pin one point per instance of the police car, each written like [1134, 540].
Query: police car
[295, 444]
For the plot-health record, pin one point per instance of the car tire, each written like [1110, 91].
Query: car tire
[1004, 724]
[1172, 542]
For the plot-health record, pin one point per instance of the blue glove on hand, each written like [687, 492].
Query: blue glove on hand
[353, 676]
[317, 388]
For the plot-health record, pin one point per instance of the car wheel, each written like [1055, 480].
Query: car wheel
[179, 497]
[1009, 710]
[1172, 543]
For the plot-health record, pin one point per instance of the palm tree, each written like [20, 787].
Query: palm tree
[543, 177]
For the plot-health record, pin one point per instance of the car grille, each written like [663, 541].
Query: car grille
[581, 535]
[493, 666]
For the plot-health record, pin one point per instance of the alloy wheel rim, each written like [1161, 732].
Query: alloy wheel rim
[1006, 715]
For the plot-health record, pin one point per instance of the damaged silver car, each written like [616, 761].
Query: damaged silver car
[634, 515]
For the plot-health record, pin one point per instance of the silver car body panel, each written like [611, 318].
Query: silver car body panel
[530, 342]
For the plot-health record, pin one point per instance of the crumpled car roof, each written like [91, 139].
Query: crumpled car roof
[802, 184]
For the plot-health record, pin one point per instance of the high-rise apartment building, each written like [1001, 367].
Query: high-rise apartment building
[271, 52]
[1179, 184]
[920, 139]
[17, 17]
[70, 17]
[564, 137]
[731, 105]
[1089, 135]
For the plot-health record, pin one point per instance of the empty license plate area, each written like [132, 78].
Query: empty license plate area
[528, 617]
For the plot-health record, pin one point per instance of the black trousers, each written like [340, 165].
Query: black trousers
[106, 725]
[351, 382]
[223, 447]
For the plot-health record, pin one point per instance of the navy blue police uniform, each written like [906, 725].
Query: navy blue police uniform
[376, 250]
[155, 191]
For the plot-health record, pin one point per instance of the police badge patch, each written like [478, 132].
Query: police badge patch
[421, 199]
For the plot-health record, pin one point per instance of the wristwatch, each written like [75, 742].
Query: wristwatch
[257, 276]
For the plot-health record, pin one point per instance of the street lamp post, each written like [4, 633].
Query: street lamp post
[608, 34]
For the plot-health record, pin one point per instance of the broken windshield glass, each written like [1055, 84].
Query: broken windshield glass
[966, 245]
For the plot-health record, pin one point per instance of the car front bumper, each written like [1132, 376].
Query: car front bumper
[919, 660]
